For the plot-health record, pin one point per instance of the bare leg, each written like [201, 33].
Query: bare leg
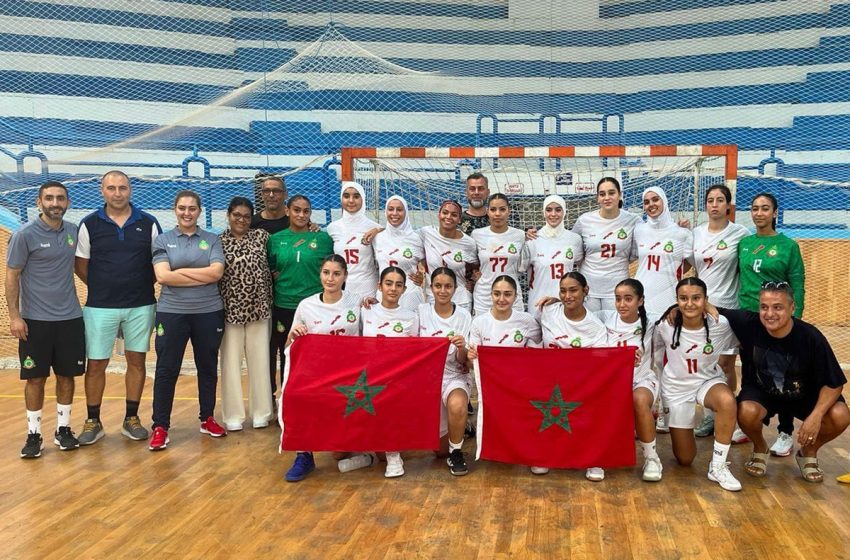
[684, 445]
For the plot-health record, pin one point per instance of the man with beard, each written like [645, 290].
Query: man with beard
[477, 193]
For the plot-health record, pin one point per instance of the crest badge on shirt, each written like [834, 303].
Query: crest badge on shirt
[203, 245]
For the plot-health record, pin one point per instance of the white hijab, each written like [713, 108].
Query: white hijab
[665, 219]
[404, 229]
[547, 230]
[359, 217]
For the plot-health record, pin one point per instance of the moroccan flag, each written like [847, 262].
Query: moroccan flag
[351, 393]
[557, 408]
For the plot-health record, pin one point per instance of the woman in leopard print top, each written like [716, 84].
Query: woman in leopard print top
[246, 290]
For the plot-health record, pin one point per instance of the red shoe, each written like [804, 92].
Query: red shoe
[211, 428]
[159, 439]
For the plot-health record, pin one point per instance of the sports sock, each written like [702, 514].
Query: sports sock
[63, 415]
[721, 450]
[649, 450]
[93, 412]
[132, 408]
[34, 421]
[453, 446]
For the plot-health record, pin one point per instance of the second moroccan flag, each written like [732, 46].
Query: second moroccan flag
[569, 408]
[351, 393]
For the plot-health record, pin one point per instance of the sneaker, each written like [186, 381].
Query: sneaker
[595, 474]
[233, 426]
[720, 473]
[159, 439]
[652, 469]
[65, 439]
[539, 470]
[33, 447]
[706, 427]
[303, 465]
[395, 465]
[358, 461]
[661, 424]
[738, 436]
[211, 428]
[469, 410]
[469, 430]
[457, 463]
[92, 431]
[133, 429]
[783, 446]
[260, 424]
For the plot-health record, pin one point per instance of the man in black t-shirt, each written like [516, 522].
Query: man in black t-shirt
[787, 366]
[477, 193]
[272, 217]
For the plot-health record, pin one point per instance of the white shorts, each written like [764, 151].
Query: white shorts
[594, 304]
[682, 405]
[648, 382]
[449, 385]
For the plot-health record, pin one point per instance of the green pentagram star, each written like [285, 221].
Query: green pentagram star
[556, 410]
[360, 395]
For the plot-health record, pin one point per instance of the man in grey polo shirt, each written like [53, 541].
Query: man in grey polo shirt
[45, 314]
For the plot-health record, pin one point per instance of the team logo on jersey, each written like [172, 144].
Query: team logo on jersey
[622, 234]
[576, 342]
[398, 328]
[518, 337]
[69, 240]
[772, 252]
[512, 249]
[722, 245]
[450, 334]
[708, 348]
[203, 245]
[350, 316]
[279, 327]
[29, 363]
[160, 330]
[638, 331]
[313, 245]
[407, 253]
[570, 253]
[668, 247]
[458, 257]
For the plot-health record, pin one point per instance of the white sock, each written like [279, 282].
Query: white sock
[33, 421]
[453, 446]
[63, 415]
[649, 451]
[721, 450]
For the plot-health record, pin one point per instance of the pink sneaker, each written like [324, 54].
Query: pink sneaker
[211, 427]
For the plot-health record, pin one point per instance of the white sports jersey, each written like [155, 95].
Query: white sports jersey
[694, 361]
[342, 317]
[560, 332]
[518, 330]
[380, 321]
[551, 258]
[716, 261]
[621, 333]
[454, 254]
[607, 250]
[498, 253]
[661, 257]
[362, 269]
[404, 252]
[431, 324]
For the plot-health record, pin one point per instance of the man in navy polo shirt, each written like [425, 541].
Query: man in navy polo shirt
[114, 260]
[44, 314]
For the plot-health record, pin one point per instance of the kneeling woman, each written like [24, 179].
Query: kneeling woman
[694, 344]
[443, 318]
[320, 314]
[388, 318]
[567, 324]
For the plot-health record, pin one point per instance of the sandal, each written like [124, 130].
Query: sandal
[757, 465]
[809, 468]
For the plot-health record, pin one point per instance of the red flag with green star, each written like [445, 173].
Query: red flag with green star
[557, 408]
[351, 393]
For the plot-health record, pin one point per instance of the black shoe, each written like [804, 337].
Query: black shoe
[457, 463]
[469, 430]
[65, 439]
[33, 447]
[469, 410]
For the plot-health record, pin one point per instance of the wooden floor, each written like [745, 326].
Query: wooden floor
[205, 498]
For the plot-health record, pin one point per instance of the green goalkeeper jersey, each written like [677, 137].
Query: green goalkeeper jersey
[774, 257]
[296, 258]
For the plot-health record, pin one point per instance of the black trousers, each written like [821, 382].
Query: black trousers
[281, 323]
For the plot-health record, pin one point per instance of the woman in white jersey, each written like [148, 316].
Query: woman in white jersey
[630, 326]
[607, 238]
[333, 311]
[399, 245]
[691, 376]
[347, 233]
[665, 251]
[446, 319]
[716, 264]
[388, 318]
[554, 252]
[567, 324]
[502, 250]
[447, 246]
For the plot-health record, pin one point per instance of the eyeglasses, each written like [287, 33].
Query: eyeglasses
[240, 217]
[273, 192]
[771, 285]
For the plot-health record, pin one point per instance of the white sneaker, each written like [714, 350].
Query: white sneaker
[539, 470]
[595, 474]
[661, 424]
[652, 469]
[720, 473]
[395, 466]
[738, 436]
[260, 424]
[233, 427]
[783, 446]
